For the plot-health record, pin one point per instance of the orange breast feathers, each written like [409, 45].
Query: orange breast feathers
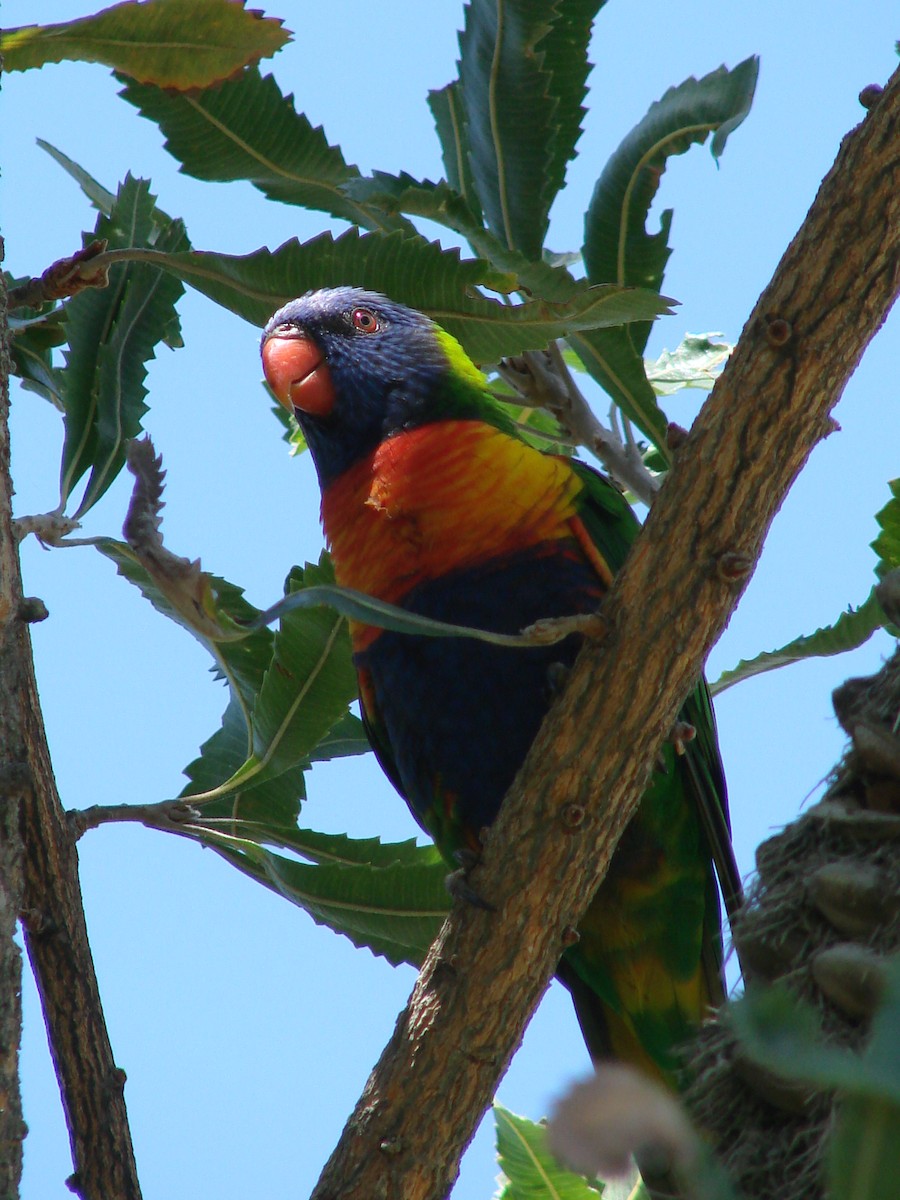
[442, 497]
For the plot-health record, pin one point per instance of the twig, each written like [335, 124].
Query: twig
[169, 815]
[52, 914]
[593, 756]
[543, 378]
[49, 528]
[87, 268]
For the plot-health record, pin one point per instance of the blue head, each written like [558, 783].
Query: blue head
[355, 368]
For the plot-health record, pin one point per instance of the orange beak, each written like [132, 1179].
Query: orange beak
[297, 373]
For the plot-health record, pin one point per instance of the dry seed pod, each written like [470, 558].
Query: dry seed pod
[851, 977]
[854, 897]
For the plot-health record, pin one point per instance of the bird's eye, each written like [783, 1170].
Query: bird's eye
[364, 320]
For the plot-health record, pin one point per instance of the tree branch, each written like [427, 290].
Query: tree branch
[543, 378]
[11, 786]
[550, 847]
[50, 903]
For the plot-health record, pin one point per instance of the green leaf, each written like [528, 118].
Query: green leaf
[451, 125]
[784, 1036]
[609, 357]
[357, 606]
[345, 739]
[112, 333]
[510, 117]
[864, 1156]
[531, 1172]
[414, 272]
[99, 196]
[337, 849]
[394, 911]
[264, 810]
[564, 51]
[851, 629]
[440, 202]
[617, 246]
[887, 544]
[306, 688]
[696, 362]
[243, 663]
[246, 129]
[32, 340]
[172, 43]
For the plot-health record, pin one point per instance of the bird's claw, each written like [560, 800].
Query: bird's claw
[457, 884]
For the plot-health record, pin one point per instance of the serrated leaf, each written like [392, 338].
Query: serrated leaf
[450, 124]
[531, 1172]
[887, 544]
[32, 340]
[112, 333]
[267, 807]
[851, 629]
[510, 115]
[337, 849]
[440, 202]
[414, 272]
[564, 50]
[344, 740]
[394, 911]
[171, 43]
[696, 362]
[306, 688]
[617, 246]
[242, 662]
[246, 129]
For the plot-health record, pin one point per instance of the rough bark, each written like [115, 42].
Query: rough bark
[11, 1128]
[51, 909]
[550, 848]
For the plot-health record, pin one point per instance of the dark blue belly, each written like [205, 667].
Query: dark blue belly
[457, 715]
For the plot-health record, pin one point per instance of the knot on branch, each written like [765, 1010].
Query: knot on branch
[733, 566]
[870, 95]
[66, 277]
[778, 332]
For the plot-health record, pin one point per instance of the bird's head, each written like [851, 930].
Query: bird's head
[356, 368]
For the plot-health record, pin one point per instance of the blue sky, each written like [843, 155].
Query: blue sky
[247, 1032]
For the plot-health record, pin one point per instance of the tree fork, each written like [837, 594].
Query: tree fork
[44, 881]
[486, 972]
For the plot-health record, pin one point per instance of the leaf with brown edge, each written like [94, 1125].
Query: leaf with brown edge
[180, 44]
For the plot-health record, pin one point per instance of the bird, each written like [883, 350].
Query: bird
[432, 501]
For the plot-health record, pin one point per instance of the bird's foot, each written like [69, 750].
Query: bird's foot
[457, 882]
[557, 674]
[682, 733]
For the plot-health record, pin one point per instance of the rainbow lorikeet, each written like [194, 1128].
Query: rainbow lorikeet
[431, 501]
